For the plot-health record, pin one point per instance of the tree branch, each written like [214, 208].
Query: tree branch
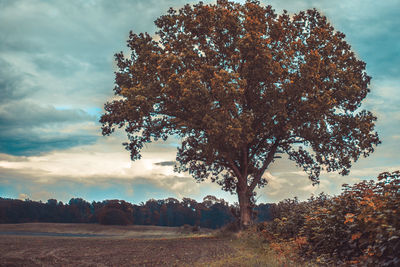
[234, 168]
[257, 146]
[245, 160]
[268, 160]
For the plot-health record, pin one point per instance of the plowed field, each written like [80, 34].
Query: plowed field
[108, 246]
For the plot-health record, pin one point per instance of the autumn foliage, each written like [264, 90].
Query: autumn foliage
[240, 85]
[359, 227]
[115, 212]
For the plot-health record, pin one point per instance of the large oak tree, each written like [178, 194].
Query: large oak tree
[240, 84]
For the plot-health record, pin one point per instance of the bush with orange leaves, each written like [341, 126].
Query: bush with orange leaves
[359, 227]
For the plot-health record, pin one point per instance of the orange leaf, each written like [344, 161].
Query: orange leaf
[356, 236]
[349, 218]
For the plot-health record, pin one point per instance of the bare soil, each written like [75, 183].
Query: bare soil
[118, 246]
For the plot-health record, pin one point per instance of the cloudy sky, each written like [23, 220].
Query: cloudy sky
[56, 72]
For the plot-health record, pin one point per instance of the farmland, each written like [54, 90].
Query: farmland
[109, 246]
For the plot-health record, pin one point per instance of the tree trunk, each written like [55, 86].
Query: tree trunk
[245, 209]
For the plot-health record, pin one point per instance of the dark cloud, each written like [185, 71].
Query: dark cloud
[29, 144]
[63, 50]
[165, 163]
[59, 66]
[12, 83]
[29, 114]
[29, 129]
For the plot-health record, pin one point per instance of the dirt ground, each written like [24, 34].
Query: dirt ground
[128, 231]
[118, 246]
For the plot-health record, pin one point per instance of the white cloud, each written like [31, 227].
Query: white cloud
[23, 196]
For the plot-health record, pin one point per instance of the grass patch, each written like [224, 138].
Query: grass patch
[250, 250]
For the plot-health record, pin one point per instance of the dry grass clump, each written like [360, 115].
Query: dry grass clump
[251, 248]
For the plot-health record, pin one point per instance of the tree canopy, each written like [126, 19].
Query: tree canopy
[239, 85]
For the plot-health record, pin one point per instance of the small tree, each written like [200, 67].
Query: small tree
[239, 85]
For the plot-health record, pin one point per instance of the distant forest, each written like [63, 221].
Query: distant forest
[211, 213]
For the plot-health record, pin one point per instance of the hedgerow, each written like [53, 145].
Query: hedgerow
[361, 226]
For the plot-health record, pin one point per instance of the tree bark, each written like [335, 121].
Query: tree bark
[245, 209]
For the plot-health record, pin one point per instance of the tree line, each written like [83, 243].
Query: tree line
[210, 213]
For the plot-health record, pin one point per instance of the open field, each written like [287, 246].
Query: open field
[118, 246]
[115, 231]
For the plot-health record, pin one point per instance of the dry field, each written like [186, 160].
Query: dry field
[111, 246]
